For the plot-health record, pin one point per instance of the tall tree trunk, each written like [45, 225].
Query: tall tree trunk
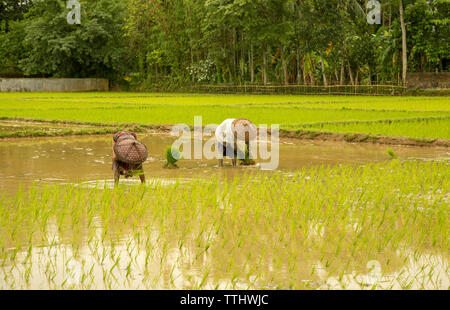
[231, 58]
[323, 71]
[283, 63]
[251, 64]
[311, 73]
[390, 14]
[404, 52]
[305, 82]
[341, 79]
[299, 73]
[264, 69]
[350, 74]
[235, 58]
[230, 74]
[242, 61]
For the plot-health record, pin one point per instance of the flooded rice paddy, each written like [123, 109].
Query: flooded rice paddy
[88, 159]
[224, 238]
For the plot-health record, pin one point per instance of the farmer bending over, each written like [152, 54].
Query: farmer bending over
[229, 133]
[121, 168]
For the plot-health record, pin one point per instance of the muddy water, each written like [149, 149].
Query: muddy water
[88, 159]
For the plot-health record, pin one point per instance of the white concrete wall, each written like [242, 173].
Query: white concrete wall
[53, 85]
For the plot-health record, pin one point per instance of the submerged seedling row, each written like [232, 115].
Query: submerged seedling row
[317, 228]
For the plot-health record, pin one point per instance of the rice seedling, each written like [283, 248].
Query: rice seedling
[247, 161]
[415, 103]
[173, 155]
[291, 112]
[391, 153]
[317, 228]
[421, 128]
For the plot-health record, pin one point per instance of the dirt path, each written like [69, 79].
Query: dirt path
[363, 138]
[165, 129]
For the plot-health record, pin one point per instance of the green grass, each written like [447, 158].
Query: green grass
[291, 112]
[325, 101]
[258, 232]
[365, 102]
[56, 133]
[20, 128]
[161, 114]
[422, 128]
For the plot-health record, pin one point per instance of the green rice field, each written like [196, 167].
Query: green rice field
[333, 216]
[254, 232]
[417, 117]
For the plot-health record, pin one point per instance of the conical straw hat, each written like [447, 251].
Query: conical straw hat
[131, 151]
[244, 130]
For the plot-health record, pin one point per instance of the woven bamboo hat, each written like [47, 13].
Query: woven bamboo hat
[131, 151]
[244, 130]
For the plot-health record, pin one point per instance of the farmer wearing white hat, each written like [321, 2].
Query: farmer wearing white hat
[230, 133]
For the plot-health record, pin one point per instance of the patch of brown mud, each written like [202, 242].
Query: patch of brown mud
[363, 138]
[165, 129]
[339, 137]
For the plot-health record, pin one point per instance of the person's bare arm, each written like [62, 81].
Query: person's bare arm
[113, 144]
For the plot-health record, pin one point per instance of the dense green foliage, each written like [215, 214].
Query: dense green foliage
[12, 10]
[44, 44]
[153, 43]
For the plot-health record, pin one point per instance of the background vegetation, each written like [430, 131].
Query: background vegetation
[167, 44]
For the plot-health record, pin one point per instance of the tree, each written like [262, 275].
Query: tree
[404, 48]
[170, 43]
[93, 49]
[12, 10]
[12, 49]
[327, 17]
[428, 34]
